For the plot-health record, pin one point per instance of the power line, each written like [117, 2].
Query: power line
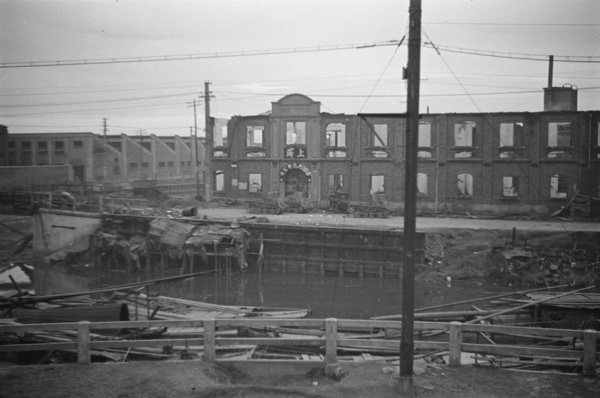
[100, 61]
[527, 57]
[510, 24]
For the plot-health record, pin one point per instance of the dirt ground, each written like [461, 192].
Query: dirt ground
[196, 379]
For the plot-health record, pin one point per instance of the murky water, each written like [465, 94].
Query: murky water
[327, 296]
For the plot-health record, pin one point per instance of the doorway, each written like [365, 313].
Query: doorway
[296, 183]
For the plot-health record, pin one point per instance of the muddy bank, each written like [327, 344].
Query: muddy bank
[515, 258]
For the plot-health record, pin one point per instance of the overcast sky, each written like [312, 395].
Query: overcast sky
[154, 96]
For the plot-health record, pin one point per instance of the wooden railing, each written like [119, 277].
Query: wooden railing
[328, 336]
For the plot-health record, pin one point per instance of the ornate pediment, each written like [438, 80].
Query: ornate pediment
[295, 99]
[296, 105]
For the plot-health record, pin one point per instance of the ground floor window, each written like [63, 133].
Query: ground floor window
[377, 184]
[510, 187]
[255, 183]
[464, 185]
[558, 187]
[219, 180]
[422, 181]
[336, 181]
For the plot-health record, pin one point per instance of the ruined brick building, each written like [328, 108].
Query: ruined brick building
[514, 162]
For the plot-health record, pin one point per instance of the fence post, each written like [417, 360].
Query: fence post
[455, 343]
[330, 341]
[83, 342]
[589, 352]
[209, 340]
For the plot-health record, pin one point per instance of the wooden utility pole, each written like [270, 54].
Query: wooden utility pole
[208, 135]
[413, 75]
[104, 165]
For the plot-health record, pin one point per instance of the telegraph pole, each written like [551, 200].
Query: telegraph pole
[104, 166]
[410, 199]
[196, 151]
[208, 135]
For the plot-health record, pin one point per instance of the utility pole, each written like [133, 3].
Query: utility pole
[208, 135]
[196, 152]
[410, 199]
[104, 165]
[141, 153]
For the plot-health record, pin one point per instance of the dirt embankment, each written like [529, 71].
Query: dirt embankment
[524, 258]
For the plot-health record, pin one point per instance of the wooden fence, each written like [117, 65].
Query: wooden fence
[587, 357]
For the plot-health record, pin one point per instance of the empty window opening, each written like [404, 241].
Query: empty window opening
[510, 187]
[424, 135]
[336, 181]
[254, 136]
[255, 183]
[510, 134]
[219, 180]
[380, 135]
[336, 135]
[464, 185]
[377, 184]
[558, 187]
[464, 134]
[422, 180]
[559, 135]
[295, 133]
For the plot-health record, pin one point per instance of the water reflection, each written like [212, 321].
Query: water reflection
[326, 295]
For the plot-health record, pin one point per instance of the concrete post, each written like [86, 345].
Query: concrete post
[83, 342]
[455, 343]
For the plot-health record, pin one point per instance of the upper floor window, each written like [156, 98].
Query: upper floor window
[77, 144]
[380, 135]
[59, 146]
[464, 134]
[464, 137]
[559, 141]
[559, 135]
[255, 136]
[510, 134]
[424, 141]
[161, 165]
[335, 135]
[220, 137]
[26, 146]
[42, 147]
[11, 146]
[295, 133]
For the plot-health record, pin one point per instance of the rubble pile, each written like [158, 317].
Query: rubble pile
[547, 266]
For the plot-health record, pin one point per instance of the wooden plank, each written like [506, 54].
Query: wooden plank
[515, 351]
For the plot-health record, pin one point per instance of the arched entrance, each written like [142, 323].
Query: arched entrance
[296, 179]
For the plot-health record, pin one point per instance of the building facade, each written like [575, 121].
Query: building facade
[100, 159]
[516, 162]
